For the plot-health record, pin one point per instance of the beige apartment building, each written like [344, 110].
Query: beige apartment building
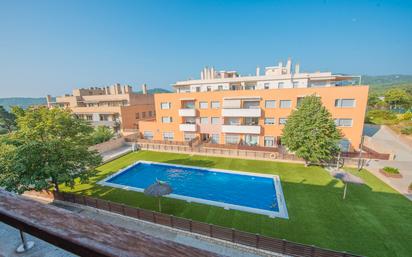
[116, 106]
[223, 107]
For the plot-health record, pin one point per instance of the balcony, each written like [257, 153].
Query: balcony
[241, 129]
[240, 112]
[188, 127]
[187, 112]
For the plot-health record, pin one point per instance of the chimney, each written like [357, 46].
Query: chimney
[212, 73]
[297, 68]
[48, 99]
[144, 89]
[257, 71]
[289, 65]
[202, 77]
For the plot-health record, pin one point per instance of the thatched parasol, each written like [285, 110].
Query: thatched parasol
[158, 189]
[347, 178]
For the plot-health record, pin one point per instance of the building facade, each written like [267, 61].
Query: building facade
[226, 108]
[116, 106]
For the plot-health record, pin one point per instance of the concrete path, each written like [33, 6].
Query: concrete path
[386, 140]
[109, 155]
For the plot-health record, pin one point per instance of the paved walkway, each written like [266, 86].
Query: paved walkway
[109, 155]
[386, 140]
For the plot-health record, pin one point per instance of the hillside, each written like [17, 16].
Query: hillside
[22, 102]
[25, 102]
[379, 84]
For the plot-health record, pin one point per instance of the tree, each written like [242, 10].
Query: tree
[7, 120]
[397, 97]
[50, 147]
[102, 134]
[311, 133]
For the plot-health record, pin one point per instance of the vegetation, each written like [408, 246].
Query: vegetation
[410, 187]
[102, 134]
[391, 170]
[311, 133]
[398, 98]
[7, 120]
[381, 117]
[317, 214]
[48, 148]
[407, 130]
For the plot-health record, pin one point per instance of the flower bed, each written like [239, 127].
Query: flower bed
[390, 172]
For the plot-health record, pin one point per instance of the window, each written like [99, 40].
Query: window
[215, 120]
[343, 122]
[269, 141]
[285, 103]
[203, 105]
[281, 85]
[197, 89]
[150, 113]
[137, 115]
[215, 139]
[270, 103]
[143, 115]
[165, 105]
[251, 121]
[220, 87]
[189, 136]
[295, 84]
[345, 103]
[233, 121]
[232, 139]
[266, 86]
[251, 140]
[344, 145]
[148, 135]
[215, 104]
[283, 120]
[189, 120]
[104, 117]
[208, 89]
[168, 136]
[249, 87]
[166, 119]
[269, 121]
[89, 117]
[204, 120]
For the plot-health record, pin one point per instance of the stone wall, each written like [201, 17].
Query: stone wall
[109, 145]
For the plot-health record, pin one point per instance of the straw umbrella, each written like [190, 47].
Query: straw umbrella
[347, 178]
[158, 189]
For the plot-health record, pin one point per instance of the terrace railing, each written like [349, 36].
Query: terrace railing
[228, 234]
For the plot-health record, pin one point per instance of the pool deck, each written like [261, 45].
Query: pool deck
[282, 213]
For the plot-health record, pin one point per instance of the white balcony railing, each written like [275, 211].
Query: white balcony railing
[243, 129]
[188, 127]
[255, 112]
[187, 112]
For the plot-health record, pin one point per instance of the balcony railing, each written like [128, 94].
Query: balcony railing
[188, 127]
[241, 129]
[187, 112]
[241, 112]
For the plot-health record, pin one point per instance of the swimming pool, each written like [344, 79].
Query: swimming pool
[250, 192]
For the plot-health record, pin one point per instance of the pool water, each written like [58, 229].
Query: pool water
[228, 189]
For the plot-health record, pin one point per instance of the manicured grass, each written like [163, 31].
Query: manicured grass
[373, 220]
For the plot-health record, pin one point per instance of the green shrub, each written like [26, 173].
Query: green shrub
[391, 170]
[381, 117]
[410, 186]
[407, 130]
[102, 134]
[406, 116]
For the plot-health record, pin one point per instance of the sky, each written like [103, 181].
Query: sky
[52, 47]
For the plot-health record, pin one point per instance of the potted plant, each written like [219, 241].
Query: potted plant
[391, 172]
[410, 188]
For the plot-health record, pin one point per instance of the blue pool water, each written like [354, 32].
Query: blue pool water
[229, 188]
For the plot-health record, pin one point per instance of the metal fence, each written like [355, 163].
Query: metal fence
[227, 234]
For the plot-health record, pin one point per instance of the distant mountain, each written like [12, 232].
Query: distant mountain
[22, 102]
[379, 84]
[156, 91]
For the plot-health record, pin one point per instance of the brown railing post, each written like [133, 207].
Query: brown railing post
[190, 225]
[154, 217]
[283, 245]
[138, 213]
[123, 210]
[257, 240]
[171, 221]
[110, 206]
[84, 200]
[96, 201]
[211, 230]
[233, 235]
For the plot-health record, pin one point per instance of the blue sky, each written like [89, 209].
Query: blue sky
[51, 47]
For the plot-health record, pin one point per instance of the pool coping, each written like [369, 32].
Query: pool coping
[282, 213]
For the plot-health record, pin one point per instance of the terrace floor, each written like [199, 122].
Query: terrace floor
[374, 220]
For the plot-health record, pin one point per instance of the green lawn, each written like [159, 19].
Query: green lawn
[374, 220]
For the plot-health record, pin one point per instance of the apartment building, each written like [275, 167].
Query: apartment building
[223, 107]
[116, 106]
